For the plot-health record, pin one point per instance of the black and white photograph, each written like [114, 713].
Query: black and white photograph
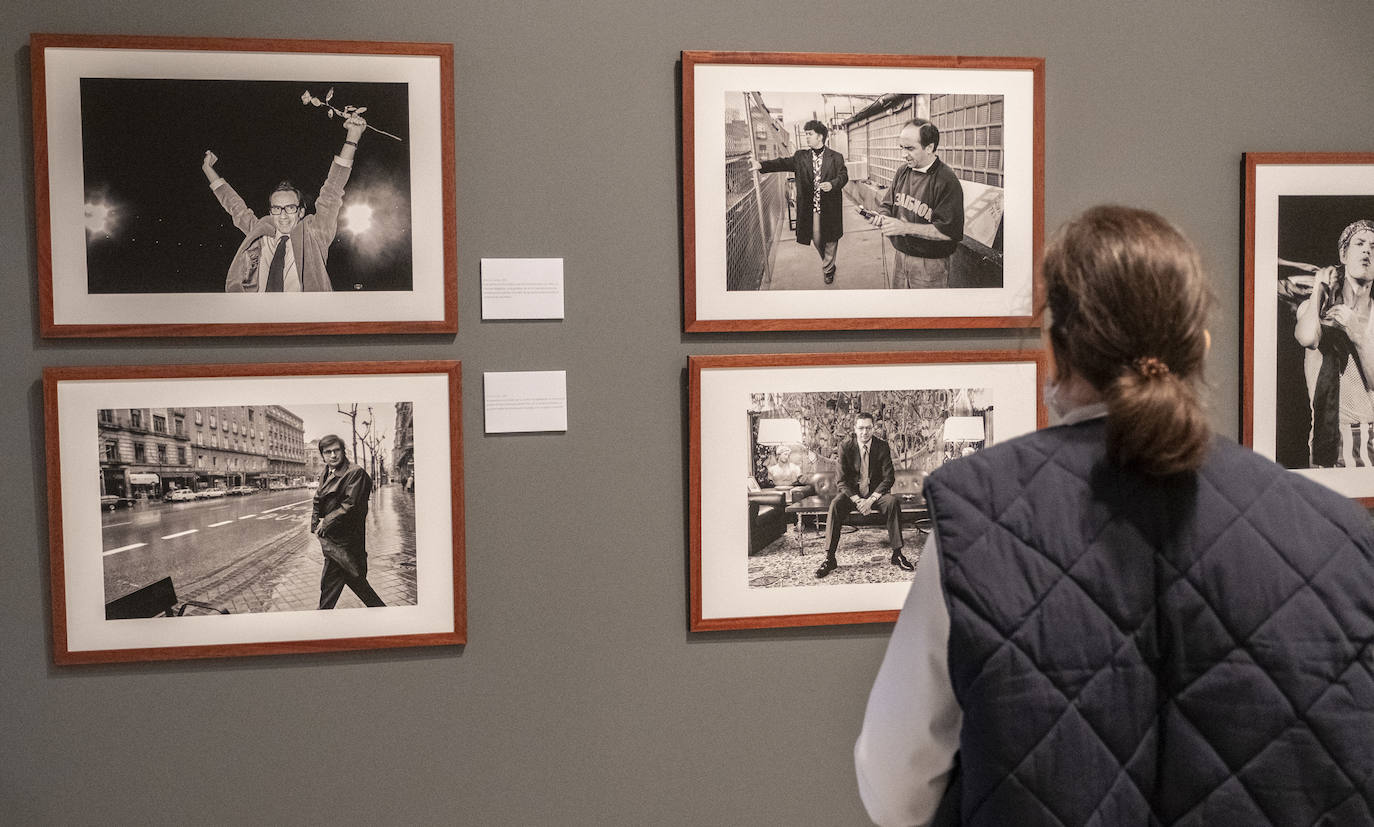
[807, 473]
[226, 509]
[262, 162]
[860, 191]
[838, 479]
[258, 508]
[183, 180]
[1310, 266]
[841, 191]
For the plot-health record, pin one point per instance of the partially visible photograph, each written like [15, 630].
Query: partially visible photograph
[839, 477]
[1309, 337]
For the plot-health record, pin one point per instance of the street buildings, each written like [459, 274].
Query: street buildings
[403, 452]
[285, 445]
[146, 452]
[314, 463]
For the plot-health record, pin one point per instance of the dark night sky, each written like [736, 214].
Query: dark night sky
[1310, 225]
[143, 142]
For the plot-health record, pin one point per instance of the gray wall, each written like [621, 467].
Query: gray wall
[581, 698]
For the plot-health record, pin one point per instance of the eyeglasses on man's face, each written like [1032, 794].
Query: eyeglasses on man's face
[279, 209]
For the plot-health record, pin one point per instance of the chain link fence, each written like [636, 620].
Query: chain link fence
[753, 222]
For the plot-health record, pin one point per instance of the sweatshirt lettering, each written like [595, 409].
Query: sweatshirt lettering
[907, 202]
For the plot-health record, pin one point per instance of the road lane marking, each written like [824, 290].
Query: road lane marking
[123, 548]
[216, 525]
[248, 516]
[112, 525]
[180, 534]
[288, 505]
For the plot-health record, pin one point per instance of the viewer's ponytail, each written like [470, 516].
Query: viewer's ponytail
[1155, 423]
[1128, 308]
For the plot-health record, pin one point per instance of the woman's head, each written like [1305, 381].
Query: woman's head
[1126, 313]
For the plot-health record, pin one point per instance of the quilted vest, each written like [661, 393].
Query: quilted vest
[1136, 651]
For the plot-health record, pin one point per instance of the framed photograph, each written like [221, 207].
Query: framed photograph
[216, 510]
[178, 180]
[1308, 402]
[855, 192]
[833, 448]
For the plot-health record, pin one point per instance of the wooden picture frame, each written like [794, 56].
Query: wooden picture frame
[181, 499]
[780, 420]
[742, 270]
[1302, 225]
[134, 240]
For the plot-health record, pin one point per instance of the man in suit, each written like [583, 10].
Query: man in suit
[286, 251]
[866, 478]
[821, 176]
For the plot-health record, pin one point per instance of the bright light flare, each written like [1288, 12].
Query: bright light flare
[100, 218]
[357, 218]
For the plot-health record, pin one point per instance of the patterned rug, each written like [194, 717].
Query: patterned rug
[864, 557]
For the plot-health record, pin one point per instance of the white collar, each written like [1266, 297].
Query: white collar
[1083, 413]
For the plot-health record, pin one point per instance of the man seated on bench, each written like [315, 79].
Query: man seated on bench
[866, 478]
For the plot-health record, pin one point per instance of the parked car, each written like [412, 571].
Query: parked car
[211, 493]
[180, 495]
[110, 502]
[276, 486]
[241, 490]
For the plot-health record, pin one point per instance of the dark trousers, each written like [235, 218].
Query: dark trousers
[332, 583]
[841, 507]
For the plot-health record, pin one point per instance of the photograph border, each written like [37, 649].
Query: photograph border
[1251, 162]
[53, 376]
[39, 43]
[696, 365]
[691, 59]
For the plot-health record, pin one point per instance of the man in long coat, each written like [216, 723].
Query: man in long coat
[339, 520]
[821, 176]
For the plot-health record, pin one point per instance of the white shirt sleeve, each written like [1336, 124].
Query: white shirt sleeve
[905, 753]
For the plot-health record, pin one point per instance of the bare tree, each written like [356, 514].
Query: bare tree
[352, 415]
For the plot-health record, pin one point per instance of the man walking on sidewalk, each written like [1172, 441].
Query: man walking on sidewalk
[821, 176]
[339, 519]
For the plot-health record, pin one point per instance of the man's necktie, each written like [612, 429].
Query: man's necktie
[816, 191]
[276, 272]
[863, 471]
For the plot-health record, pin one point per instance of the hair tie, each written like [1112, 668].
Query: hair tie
[1150, 367]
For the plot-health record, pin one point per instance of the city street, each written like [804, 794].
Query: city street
[251, 553]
